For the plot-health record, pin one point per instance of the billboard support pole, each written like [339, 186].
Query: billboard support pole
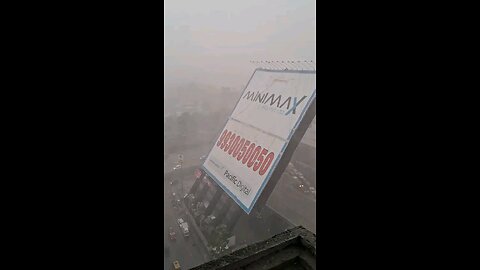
[213, 202]
[197, 182]
[287, 155]
[223, 212]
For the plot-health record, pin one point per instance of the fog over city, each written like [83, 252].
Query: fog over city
[208, 46]
[211, 42]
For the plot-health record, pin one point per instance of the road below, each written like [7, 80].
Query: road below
[188, 251]
[191, 157]
[292, 204]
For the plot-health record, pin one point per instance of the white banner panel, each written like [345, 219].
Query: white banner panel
[258, 131]
[274, 101]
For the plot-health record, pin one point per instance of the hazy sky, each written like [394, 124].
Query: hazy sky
[212, 41]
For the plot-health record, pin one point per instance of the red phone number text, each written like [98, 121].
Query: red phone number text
[255, 157]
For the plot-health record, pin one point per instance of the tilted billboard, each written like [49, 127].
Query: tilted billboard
[259, 129]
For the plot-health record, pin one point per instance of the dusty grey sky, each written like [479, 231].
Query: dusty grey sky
[212, 41]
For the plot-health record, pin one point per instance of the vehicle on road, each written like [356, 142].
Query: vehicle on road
[303, 188]
[180, 221]
[177, 167]
[176, 203]
[209, 220]
[203, 157]
[176, 265]
[172, 234]
[183, 226]
[185, 230]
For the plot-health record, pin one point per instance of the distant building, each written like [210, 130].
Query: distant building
[293, 249]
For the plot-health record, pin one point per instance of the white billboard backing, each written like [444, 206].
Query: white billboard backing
[255, 136]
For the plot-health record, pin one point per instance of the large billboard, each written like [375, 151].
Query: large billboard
[255, 136]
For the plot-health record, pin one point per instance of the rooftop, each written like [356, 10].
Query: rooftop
[292, 249]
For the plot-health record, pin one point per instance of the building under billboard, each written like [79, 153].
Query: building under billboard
[211, 208]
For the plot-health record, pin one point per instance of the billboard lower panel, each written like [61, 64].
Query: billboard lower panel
[241, 161]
